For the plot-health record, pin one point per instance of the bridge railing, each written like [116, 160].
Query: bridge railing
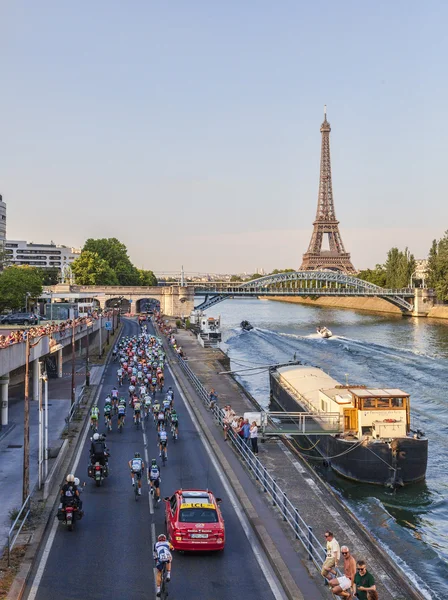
[267, 483]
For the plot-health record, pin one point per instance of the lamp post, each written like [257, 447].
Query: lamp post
[26, 419]
[73, 363]
[87, 356]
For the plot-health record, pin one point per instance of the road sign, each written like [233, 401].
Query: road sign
[108, 325]
[130, 301]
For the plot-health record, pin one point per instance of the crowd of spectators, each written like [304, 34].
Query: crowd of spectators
[63, 328]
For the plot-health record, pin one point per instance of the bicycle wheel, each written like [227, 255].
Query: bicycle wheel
[163, 456]
[163, 586]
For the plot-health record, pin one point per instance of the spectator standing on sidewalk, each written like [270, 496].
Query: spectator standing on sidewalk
[246, 432]
[364, 581]
[254, 437]
[333, 555]
[213, 396]
[228, 418]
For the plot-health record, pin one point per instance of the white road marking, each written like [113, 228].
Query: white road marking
[145, 442]
[153, 539]
[253, 541]
[46, 552]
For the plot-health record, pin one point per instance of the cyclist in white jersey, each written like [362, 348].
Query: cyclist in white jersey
[163, 442]
[137, 467]
[162, 556]
[120, 376]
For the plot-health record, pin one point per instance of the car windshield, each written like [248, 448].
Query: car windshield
[198, 515]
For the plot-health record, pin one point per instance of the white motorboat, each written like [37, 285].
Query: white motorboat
[324, 332]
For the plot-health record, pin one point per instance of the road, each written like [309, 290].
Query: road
[109, 555]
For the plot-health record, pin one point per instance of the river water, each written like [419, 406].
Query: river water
[377, 350]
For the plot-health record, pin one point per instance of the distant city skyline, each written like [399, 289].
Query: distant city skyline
[191, 131]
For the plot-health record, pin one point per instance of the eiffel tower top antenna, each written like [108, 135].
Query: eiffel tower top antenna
[326, 223]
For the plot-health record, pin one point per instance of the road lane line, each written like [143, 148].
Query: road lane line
[46, 552]
[153, 539]
[263, 563]
[145, 441]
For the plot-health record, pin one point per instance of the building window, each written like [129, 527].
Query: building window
[12, 245]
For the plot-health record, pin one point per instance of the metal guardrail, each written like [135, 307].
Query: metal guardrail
[302, 531]
[12, 537]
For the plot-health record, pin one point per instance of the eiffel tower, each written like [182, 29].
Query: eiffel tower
[336, 259]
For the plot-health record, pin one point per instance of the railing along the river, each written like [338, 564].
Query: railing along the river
[302, 531]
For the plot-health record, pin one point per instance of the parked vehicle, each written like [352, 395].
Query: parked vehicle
[23, 318]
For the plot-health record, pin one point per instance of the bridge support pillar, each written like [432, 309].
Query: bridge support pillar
[423, 302]
[4, 385]
[178, 301]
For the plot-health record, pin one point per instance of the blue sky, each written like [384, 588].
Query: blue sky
[190, 130]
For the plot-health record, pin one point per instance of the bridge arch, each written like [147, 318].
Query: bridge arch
[145, 304]
[307, 283]
[118, 302]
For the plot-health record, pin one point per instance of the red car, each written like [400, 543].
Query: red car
[194, 521]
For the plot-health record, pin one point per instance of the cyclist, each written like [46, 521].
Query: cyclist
[154, 479]
[163, 442]
[114, 398]
[174, 424]
[155, 410]
[121, 412]
[147, 401]
[131, 390]
[114, 354]
[137, 410]
[163, 557]
[94, 415]
[137, 466]
[142, 390]
[160, 420]
[120, 376]
[108, 414]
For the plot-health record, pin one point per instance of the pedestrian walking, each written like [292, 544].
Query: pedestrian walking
[254, 437]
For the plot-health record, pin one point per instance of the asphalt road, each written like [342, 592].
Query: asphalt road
[109, 555]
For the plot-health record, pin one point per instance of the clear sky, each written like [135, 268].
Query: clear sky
[190, 129]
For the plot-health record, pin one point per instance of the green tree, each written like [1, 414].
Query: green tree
[438, 267]
[17, 284]
[235, 278]
[147, 277]
[91, 269]
[276, 271]
[115, 254]
[254, 276]
[399, 268]
[50, 276]
[377, 276]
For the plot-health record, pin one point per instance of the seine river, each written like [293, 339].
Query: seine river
[376, 350]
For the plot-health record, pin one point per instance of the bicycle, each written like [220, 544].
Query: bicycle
[164, 457]
[137, 420]
[120, 425]
[136, 488]
[163, 583]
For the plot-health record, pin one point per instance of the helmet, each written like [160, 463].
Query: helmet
[77, 482]
[153, 462]
[161, 537]
[70, 478]
[96, 436]
[137, 455]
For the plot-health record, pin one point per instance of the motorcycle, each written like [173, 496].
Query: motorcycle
[98, 472]
[69, 514]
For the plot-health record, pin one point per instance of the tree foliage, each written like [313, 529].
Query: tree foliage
[50, 276]
[395, 273]
[17, 284]
[105, 261]
[91, 269]
[147, 277]
[438, 267]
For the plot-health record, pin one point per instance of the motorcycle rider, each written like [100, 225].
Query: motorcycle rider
[98, 451]
[162, 555]
[70, 492]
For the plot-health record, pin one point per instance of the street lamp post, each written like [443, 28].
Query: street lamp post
[87, 357]
[73, 363]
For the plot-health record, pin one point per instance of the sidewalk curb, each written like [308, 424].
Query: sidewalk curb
[281, 570]
[19, 584]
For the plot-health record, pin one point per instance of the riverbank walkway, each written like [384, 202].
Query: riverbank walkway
[315, 501]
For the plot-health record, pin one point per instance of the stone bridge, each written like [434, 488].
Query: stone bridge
[175, 300]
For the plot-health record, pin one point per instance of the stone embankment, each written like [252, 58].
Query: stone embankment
[368, 304]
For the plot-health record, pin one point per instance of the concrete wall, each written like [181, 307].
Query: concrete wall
[438, 312]
[354, 303]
